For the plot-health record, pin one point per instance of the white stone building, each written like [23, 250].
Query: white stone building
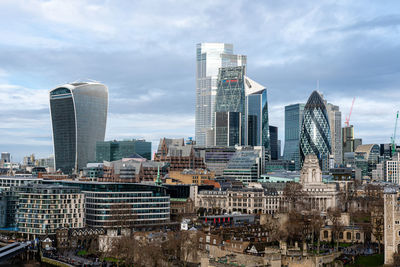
[321, 196]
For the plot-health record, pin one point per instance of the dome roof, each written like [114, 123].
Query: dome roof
[315, 101]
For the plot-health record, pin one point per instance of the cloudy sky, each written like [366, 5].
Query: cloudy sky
[144, 51]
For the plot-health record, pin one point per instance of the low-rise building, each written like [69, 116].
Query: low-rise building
[187, 176]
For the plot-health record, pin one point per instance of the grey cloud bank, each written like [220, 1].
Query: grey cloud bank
[144, 51]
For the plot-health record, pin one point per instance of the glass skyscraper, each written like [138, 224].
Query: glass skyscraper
[209, 58]
[315, 136]
[78, 116]
[256, 115]
[227, 128]
[293, 121]
[273, 131]
[231, 94]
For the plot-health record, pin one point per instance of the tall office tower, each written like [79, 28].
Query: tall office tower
[5, 157]
[350, 143]
[293, 121]
[231, 94]
[273, 135]
[228, 129]
[335, 122]
[279, 149]
[78, 116]
[209, 58]
[315, 135]
[256, 115]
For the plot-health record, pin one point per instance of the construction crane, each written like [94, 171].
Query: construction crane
[347, 121]
[394, 135]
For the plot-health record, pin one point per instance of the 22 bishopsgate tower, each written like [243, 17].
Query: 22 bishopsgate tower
[209, 58]
[78, 116]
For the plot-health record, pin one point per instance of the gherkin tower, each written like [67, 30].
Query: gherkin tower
[315, 136]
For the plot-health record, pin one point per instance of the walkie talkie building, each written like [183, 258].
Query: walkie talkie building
[78, 117]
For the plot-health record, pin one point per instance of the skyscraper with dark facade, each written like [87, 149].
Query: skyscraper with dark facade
[228, 128]
[315, 136]
[273, 136]
[293, 121]
[256, 115]
[78, 116]
[243, 97]
[231, 95]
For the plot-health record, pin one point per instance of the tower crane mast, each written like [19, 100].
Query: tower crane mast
[394, 135]
[347, 121]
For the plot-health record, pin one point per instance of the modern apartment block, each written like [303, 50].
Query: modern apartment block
[44, 208]
[293, 121]
[109, 205]
[210, 57]
[116, 150]
[393, 170]
[78, 116]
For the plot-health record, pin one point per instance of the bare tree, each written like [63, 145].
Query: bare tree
[337, 225]
[123, 248]
[295, 196]
[316, 223]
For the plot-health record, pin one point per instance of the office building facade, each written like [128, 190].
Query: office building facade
[116, 150]
[315, 136]
[231, 94]
[5, 157]
[350, 143]
[228, 128]
[293, 121]
[335, 123]
[209, 58]
[78, 116]
[256, 115]
[273, 133]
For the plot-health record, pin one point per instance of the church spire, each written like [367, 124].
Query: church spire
[158, 180]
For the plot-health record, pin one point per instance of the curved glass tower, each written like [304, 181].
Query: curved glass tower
[315, 136]
[78, 118]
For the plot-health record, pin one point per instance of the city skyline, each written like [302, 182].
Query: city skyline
[152, 83]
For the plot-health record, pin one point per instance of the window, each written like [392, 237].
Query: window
[325, 234]
[341, 235]
[348, 236]
[358, 236]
